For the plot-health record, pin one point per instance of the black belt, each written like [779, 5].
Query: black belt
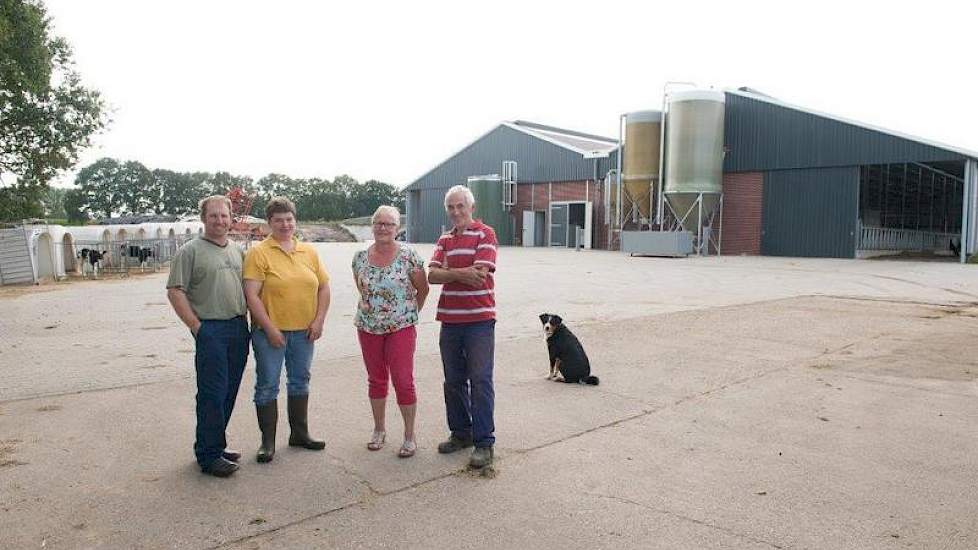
[231, 319]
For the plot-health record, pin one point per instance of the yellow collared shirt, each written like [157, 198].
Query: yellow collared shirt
[290, 281]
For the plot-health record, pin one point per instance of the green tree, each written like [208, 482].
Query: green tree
[323, 200]
[222, 182]
[179, 192]
[347, 186]
[366, 197]
[204, 181]
[134, 185]
[46, 116]
[75, 206]
[54, 203]
[278, 185]
[22, 200]
[109, 186]
[98, 183]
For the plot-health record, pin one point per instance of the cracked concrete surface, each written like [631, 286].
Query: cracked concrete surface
[744, 403]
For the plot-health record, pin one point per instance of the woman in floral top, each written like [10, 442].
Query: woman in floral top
[393, 287]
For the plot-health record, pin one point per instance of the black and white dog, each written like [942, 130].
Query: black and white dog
[568, 362]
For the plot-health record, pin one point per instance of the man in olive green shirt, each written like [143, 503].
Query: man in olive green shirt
[205, 290]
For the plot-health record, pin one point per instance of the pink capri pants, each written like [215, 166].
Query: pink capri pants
[390, 356]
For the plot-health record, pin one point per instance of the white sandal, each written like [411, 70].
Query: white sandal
[377, 441]
[407, 449]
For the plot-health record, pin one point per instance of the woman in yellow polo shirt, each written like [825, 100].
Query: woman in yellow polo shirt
[287, 290]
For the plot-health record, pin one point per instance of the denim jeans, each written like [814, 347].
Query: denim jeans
[220, 357]
[296, 354]
[467, 357]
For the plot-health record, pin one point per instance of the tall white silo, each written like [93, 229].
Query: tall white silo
[694, 157]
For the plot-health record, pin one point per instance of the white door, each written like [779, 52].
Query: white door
[528, 227]
[558, 224]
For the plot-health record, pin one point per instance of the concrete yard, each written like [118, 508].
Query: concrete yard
[745, 402]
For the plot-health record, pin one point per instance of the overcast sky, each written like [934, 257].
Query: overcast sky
[387, 90]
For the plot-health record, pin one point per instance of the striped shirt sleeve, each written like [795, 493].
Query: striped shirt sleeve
[438, 256]
[485, 252]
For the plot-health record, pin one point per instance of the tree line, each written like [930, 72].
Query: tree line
[110, 187]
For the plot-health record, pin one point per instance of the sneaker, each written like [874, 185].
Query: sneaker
[221, 467]
[453, 444]
[233, 456]
[481, 457]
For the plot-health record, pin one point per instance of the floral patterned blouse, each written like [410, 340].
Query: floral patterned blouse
[388, 299]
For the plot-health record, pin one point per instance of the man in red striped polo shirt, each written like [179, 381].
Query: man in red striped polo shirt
[464, 262]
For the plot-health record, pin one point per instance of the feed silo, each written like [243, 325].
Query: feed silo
[488, 193]
[694, 154]
[641, 163]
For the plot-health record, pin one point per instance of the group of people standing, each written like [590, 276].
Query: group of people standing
[213, 285]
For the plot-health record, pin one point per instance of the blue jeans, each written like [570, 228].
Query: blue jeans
[296, 354]
[220, 357]
[467, 357]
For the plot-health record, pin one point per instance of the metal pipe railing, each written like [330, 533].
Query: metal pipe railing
[885, 238]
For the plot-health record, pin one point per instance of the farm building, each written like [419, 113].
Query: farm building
[777, 179]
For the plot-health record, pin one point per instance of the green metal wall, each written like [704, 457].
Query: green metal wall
[426, 217]
[811, 212]
[488, 193]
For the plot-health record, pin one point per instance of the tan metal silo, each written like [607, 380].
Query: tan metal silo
[641, 162]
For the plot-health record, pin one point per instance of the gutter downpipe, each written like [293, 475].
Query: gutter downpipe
[621, 145]
[966, 211]
[973, 235]
[659, 218]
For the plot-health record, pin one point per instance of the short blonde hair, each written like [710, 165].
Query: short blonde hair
[213, 198]
[467, 195]
[279, 205]
[389, 210]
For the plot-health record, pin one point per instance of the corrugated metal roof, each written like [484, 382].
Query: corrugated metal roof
[761, 134]
[543, 153]
[588, 145]
[759, 96]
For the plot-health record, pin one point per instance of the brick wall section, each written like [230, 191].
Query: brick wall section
[742, 206]
[743, 194]
[537, 196]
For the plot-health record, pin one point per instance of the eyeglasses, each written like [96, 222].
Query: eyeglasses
[384, 225]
